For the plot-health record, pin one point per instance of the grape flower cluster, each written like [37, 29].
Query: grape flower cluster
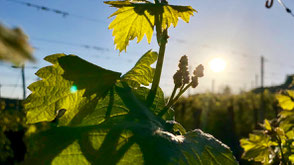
[181, 77]
[183, 81]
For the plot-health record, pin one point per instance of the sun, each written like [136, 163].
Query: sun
[217, 64]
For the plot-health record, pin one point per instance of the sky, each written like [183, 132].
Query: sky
[238, 31]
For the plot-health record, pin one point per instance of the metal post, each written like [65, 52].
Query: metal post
[262, 72]
[256, 80]
[23, 81]
[262, 107]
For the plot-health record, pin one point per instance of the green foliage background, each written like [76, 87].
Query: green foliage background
[226, 116]
[209, 112]
[273, 142]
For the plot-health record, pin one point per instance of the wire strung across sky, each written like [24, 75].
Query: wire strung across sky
[56, 11]
[66, 14]
[86, 46]
[129, 60]
[12, 66]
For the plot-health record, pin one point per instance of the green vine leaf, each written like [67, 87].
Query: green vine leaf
[158, 103]
[14, 46]
[134, 20]
[258, 148]
[106, 146]
[286, 120]
[142, 73]
[286, 101]
[111, 106]
[84, 145]
[266, 125]
[68, 85]
[125, 139]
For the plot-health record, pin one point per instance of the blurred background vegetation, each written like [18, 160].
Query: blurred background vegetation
[229, 117]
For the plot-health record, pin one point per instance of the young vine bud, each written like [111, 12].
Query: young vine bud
[178, 79]
[198, 72]
[183, 64]
[186, 78]
[194, 81]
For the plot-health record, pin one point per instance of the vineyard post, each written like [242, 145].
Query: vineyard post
[23, 81]
[262, 107]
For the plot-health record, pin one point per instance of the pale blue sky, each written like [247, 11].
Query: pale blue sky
[238, 31]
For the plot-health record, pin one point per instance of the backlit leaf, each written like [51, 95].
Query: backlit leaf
[110, 106]
[141, 73]
[137, 137]
[286, 101]
[103, 121]
[66, 85]
[267, 125]
[286, 119]
[134, 20]
[258, 148]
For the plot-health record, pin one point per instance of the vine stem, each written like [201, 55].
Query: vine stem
[280, 146]
[173, 94]
[159, 64]
[179, 95]
[171, 102]
[162, 37]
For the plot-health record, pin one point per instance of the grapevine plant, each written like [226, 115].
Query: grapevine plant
[274, 143]
[98, 116]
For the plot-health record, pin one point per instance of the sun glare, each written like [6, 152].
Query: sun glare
[217, 64]
[73, 89]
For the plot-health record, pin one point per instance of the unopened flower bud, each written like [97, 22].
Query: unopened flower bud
[186, 78]
[183, 64]
[198, 72]
[194, 81]
[178, 79]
